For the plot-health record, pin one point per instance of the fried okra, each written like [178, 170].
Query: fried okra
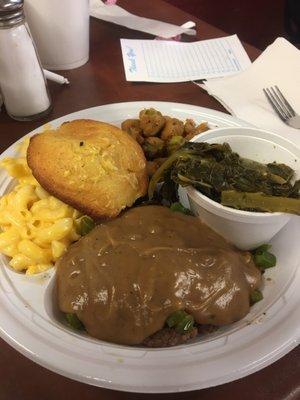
[132, 126]
[153, 147]
[189, 127]
[173, 127]
[151, 167]
[198, 129]
[151, 122]
[174, 143]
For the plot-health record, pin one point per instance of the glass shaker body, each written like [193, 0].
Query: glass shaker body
[22, 81]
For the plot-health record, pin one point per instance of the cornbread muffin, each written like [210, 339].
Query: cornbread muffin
[93, 166]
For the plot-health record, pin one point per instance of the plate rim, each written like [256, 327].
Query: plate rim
[113, 385]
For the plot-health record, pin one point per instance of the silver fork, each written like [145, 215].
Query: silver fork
[282, 107]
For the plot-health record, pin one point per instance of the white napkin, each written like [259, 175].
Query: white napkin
[242, 94]
[119, 16]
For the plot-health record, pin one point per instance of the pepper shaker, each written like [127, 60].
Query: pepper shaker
[22, 82]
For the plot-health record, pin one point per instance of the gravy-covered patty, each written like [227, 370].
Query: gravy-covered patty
[129, 274]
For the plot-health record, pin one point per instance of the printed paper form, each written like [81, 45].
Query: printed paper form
[168, 61]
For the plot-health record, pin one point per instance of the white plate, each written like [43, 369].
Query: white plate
[30, 323]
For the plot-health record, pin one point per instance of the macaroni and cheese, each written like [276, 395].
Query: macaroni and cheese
[36, 228]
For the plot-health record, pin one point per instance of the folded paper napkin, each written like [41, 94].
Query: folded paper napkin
[119, 16]
[242, 94]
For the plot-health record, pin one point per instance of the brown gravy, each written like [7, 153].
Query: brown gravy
[129, 274]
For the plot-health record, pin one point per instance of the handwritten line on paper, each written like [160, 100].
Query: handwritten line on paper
[164, 61]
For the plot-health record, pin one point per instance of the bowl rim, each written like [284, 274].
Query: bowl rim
[219, 208]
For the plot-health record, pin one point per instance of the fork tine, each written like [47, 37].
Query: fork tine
[277, 102]
[289, 107]
[281, 103]
[273, 103]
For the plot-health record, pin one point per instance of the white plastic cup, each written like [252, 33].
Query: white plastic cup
[60, 29]
[247, 230]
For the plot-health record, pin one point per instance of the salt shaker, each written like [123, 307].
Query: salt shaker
[22, 82]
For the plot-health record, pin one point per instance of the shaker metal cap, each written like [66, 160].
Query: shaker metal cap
[11, 12]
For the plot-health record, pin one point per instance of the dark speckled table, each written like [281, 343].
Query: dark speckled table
[102, 81]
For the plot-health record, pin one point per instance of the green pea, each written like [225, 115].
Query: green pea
[185, 325]
[175, 318]
[262, 248]
[84, 225]
[74, 321]
[255, 296]
[181, 321]
[265, 260]
[178, 207]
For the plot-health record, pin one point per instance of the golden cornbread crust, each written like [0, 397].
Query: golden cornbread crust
[93, 166]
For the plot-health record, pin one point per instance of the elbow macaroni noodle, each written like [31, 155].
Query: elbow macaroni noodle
[36, 228]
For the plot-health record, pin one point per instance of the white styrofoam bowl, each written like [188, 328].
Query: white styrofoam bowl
[245, 229]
